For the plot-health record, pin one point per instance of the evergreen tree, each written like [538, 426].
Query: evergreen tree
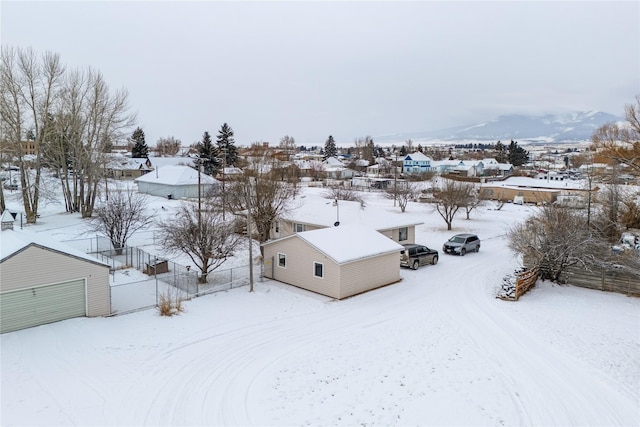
[140, 149]
[518, 156]
[501, 153]
[207, 155]
[226, 146]
[330, 149]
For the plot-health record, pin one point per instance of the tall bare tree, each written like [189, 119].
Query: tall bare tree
[89, 119]
[28, 90]
[288, 145]
[168, 146]
[450, 196]
[204, 236]
[621, 142]
[120, 216]
[267, 197]
[402, 192]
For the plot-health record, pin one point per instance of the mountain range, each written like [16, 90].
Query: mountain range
[571, 127]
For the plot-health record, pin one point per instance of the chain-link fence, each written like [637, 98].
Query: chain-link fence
[158, 276]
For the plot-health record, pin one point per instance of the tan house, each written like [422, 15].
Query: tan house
[313, 213]
[527, 194]
[338, 262]
[44, 281]
[531, 190]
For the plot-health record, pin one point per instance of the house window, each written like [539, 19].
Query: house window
[282, 260]
[318, 269]
[299, 228]
[403, 234]
[277, 226]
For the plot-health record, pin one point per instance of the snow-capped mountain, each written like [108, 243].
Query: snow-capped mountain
[578, 126]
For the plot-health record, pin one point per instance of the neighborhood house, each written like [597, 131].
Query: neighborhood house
[338, 262]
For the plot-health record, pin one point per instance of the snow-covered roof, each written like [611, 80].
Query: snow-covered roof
[418, 156]
[121, 162]
[332, 161]
[176, 175]
[347, 243]
[324, 212]
[489, 161]
[14, 241]
[523, 181]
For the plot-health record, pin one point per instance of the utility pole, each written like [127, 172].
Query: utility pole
[199, 194]
[395, 180]
[224, 166]
[249, 236]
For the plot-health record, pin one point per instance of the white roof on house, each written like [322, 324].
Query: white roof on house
[332, 161]
[438, 163]
[121, 162]
[417, 156]
[324, 212]
[176, 175]
[347, 243]
[16, 240]
[523, 181]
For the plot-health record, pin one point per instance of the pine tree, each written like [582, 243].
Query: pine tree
[140, 149]
[501, 153]
[518, 156]
[206, 155]
[226, 146]
[330, 149]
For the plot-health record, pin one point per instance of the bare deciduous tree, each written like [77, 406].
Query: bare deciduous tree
[621, 143]
[168, 146]
[555, 238]
[450, 196]
[204, 236]
[343, 193]
[288, 145]
[120, 216]
[28, 87]
[402, 192]
[267, 198]
[474, 199]
[630, 215]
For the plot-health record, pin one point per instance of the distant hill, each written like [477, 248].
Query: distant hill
[578, 126]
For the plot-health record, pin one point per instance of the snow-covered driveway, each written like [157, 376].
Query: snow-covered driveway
[436, 348]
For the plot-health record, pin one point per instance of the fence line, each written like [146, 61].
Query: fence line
[164, 276]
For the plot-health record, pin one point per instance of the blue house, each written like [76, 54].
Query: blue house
[417, 163]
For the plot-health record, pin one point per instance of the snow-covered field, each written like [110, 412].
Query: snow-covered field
[435, 349]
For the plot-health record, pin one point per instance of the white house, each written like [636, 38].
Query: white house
[175, 182]
[417, 163]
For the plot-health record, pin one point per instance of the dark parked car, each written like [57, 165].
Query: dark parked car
[414, 256]
[460, 244]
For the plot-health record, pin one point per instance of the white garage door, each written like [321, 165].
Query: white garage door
[25, 308]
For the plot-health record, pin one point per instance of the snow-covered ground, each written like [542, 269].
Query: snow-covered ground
[436, 348]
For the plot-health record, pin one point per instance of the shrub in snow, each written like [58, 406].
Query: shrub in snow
[169, 305]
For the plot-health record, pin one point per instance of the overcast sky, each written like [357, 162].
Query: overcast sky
[347, 69]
